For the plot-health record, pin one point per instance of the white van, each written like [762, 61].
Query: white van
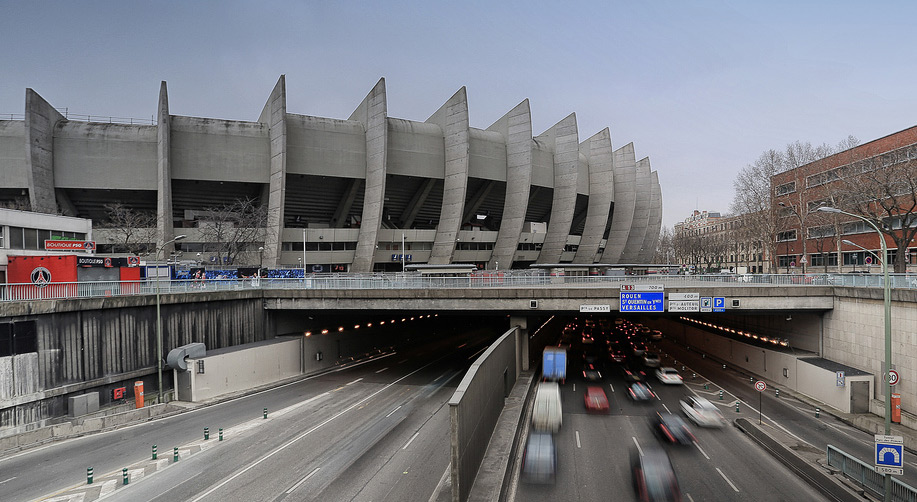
[547, 414]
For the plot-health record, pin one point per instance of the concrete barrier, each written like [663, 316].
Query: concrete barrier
[817, 477]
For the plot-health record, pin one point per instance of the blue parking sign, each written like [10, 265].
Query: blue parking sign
[719, 304]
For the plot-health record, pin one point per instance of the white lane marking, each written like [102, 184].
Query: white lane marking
[310, 431]
[303, 480]
[462, 345]
[383, 369]
[657, 396]
[574, 387]
[476, 353]
[638, 445]
[701, 450]
[405, 447]
[402, 361]
[612, 387]
[355, 381]
[841, 430]
[666, 408]
[578, 444]
[393, 411]
[74, 497]
[727, 479]
[5, 480]
[689, 497]
[442, 483]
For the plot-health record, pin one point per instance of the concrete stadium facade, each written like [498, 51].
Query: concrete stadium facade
[350, 194]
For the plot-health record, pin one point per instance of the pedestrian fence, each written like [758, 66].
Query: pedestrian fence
[866, 476]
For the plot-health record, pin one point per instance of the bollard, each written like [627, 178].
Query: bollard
[737, 405]
[154, 452]
[724, 366]
[706, 386]
[124, 479]
[777, 393]
[175, 454]
[693, 375]
[703, 356]
[682, 368]
[721, 395]
[265, 413]
[751, 379]
[816, 412]
[206, 433]
[221, 433]
[89, 475]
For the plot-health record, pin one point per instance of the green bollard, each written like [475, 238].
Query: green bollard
[206, 433]
[737, 406]
[154, 452]
[724, 366]
[816, 412]
[89, 475]
[777, 392]
[265, 413]
[693, 375]
[124, 478]
[721, 395]
[706, 386]
[751, 379]
[221, 433]
[682, 368]
[175, 454]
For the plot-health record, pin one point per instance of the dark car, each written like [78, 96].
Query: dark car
[638, 391]
[539, 461]
[654, 476]
[592, 373]
[673, 429]
[632, 374]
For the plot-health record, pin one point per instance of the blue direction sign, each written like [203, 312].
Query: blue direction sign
[890, 454]
[719, 304]
[642, 301]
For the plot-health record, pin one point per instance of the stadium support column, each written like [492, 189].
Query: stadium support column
[565, 141]
[452, 117]
[598, 152]
[40, 119]
[164, 228]
[516, 128]
[654, 225]
[625, 201]
[274, 116]
[373, 114]
[642, 193]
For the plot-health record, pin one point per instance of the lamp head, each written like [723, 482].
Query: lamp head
[828, 209]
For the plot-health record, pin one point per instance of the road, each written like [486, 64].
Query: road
[374, 431]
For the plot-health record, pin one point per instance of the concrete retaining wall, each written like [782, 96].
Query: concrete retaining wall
[475, 408]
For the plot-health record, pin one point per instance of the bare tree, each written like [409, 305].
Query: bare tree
[753, 198]
[134, 231]
[883, 189]
[231, 229]
[665, 247]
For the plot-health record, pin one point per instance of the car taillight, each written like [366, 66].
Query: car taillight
[665, 430]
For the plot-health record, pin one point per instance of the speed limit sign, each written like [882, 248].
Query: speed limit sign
[760, 386]
[892, 377]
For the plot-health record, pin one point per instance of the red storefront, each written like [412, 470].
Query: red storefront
[62, 276]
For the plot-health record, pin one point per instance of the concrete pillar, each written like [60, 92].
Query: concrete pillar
[563, 138]
[274, 117]
[622, 218]
[372, 113]
[598, 151]
[516, 128]
[642, 193]
[654, 224]
[164, 227]
[40, 120]
[522, 343]
[452, 117]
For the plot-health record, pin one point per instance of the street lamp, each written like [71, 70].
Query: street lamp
[802, 233]
[888, 330]
[260, 260]
[158, 316]
[845, 241]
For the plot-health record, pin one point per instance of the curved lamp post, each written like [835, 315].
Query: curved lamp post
[888, 329]
[158, 316]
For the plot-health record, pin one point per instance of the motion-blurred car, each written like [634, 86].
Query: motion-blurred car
[539, 461]
[591, 373]
[638, 391]
[702, 412]
[596, 400]
[651, 360]
[656, 335]
[618, 356]
[672, 428]
[638, 347]
[669, 376]
[654, 477]
[632, 374]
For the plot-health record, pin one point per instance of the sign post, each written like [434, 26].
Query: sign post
[760, 386]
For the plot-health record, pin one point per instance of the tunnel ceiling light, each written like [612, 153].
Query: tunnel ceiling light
[324, 331]
[369, 325]
[340, 328]
[382, 323]
[356, 326]
[308, 333]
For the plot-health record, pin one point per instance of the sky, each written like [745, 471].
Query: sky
[702, 88]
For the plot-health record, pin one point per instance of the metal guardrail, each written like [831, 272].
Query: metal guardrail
[478, 280]
[866, 476]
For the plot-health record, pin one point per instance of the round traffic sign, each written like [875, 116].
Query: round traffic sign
[760, 386]
[892, 377]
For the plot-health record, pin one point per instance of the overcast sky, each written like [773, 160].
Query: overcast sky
[700, 87]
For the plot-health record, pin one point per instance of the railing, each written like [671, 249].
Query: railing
[104, 119]
[866, 476]
[478, 280]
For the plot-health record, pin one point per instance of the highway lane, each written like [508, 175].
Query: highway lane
[352, 426]
[594, 453]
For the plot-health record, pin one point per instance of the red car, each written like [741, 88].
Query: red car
[595, 399]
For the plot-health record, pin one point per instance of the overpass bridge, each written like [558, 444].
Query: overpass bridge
[69, 339]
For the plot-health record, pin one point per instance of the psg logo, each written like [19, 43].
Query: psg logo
[41, 277]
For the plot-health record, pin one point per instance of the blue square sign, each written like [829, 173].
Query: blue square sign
[719, 304]
[890, 454]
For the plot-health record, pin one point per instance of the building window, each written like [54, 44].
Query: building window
[820, 232]
[786, 188]
[788, 236]
[823, 259]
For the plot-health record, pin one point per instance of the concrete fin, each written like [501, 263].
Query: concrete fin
[40, 119]
[598, 150]
[274, 116]
[452, 118]
[563, 139]
[625, 180]
[164, 226]
[516, 128]
[372, 113]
